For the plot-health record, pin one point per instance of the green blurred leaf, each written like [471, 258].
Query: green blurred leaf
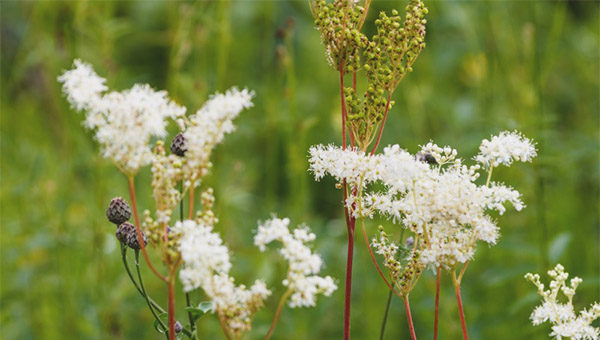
[558, 246]
[203, 308]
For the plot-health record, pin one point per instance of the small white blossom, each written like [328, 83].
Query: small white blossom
[505, 148]
[301, 280]
[565, 322]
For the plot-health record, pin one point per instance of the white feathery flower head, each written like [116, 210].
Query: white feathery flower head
[206, 265]
[353, 165]
[506, 148]
[302, 279]
[124, 122]
[203, 253]
[207, 127]
[565, 322]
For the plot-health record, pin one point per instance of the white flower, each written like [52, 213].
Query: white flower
[301, 280]
[207, 127]
[124, 122]
[565, 322]
[206, 265]
[506, 148]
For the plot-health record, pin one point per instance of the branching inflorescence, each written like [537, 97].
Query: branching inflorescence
[560, 311]
[125, 124]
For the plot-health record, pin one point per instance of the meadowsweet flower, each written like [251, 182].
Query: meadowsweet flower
[432, 193]
[207, 127]
[565, 322]
[505, 148]
[302, 279]
[124, 122]
[206, 265]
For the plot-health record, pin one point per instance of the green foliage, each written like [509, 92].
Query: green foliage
[488, 66]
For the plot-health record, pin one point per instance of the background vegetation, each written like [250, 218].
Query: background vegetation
[488, 66]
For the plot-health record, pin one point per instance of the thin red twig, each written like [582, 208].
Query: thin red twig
[387, 109]
[390, 286]
[138, 230]
[461, 311]
[411, 326]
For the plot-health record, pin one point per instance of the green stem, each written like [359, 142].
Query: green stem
[385, 316]
[124, 257]
[187, 295]
[137, 267]
[487, 182]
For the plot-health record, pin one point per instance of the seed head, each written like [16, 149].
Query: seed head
[178, 146]
[118, 211]
[132, 240]
[124, 230]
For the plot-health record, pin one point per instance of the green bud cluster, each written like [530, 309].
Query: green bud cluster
[388, 56]
[339, 23]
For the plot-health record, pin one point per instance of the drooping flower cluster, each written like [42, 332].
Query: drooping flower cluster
[124, 122]
[565, 322]
[206, 265]
[302, 279]
[433, 194]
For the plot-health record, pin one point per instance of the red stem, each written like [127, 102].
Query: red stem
[390, 286]
[409, 317]
[343, 103]
[171, 285]
[437, 303]
[387, 109]
[138, 230]
[460, 309]
[348, 279]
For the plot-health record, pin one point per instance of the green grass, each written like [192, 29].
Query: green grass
[488, 66]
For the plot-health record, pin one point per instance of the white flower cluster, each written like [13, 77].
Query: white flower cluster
[124, 122]
[301, 279]
[505, 148]
[207, 127]
[206, 265]
[565, 322]
[432, 193]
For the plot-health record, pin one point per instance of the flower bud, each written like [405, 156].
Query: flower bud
[118, 211]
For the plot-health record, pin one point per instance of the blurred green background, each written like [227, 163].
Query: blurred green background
[488, 66]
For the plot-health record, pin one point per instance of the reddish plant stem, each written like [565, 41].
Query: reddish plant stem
[171, 285]
[390, 286]
[343, 103]
[347, 296]
[460, 308]
[138, 230]
[437, 303]
[278, 313]
[409, 318]
[387, 109]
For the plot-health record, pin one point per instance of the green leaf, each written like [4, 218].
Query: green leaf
[202, 309]
[557, 247]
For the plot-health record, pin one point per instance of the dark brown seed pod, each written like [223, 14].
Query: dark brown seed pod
[118, 211]
[124, 230]
[178, 145]
[132, 240]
